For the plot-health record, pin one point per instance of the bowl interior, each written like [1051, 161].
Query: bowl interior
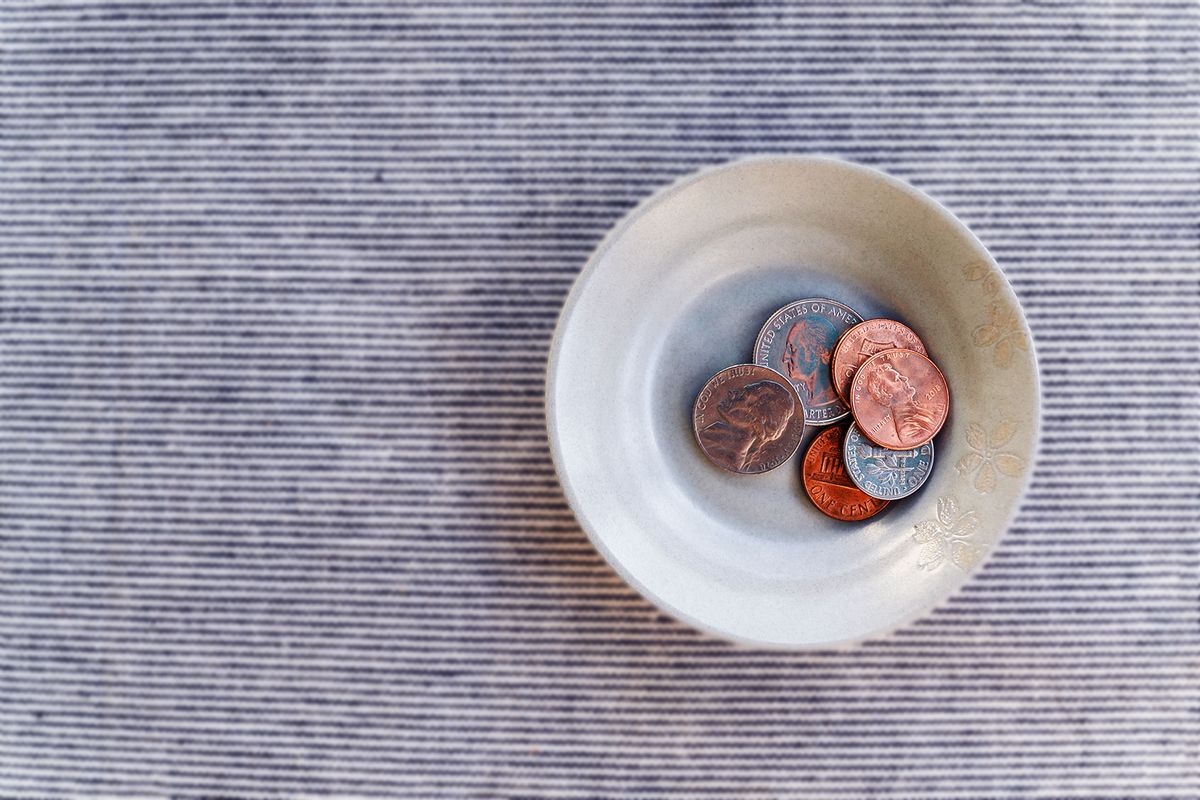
[679, 291]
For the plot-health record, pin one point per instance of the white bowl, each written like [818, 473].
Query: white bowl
[677, 291]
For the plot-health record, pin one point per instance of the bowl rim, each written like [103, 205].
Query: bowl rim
[578, 286]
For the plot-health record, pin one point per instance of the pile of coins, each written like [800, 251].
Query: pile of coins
[816, 361]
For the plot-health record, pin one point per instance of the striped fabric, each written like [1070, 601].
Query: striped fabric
[277, 282]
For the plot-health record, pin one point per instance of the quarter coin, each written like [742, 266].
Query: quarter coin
[748, 419]
[798, 341]
[865, 340]
[900, 399]
[882, 473]
[827, 483]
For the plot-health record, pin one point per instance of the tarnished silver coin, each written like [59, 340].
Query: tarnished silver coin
[748, 419]
[798, 341]
[885, 474]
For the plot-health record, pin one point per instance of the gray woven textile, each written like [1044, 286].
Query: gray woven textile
[277, 284]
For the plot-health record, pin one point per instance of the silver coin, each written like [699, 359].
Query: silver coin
[798, 341]
[885, 474]
[748, 419]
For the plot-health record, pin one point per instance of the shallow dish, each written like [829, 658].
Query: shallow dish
[677, 291]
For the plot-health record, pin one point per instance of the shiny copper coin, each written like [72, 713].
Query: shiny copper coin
[865, 340]
[748, 419]
[899, 399]
[828, 485]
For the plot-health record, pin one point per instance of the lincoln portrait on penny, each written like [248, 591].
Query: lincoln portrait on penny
[751, 418]
[891, 389]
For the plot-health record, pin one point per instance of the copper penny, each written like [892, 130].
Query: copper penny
[798, 341]
[865, 340]
[899, 399]
[748, 419]
[828, 485]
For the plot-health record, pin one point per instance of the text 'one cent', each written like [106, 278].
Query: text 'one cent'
[827, 484]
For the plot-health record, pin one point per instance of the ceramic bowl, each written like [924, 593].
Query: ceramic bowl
[677, 291]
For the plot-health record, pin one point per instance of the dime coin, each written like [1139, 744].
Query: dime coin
[865, 340]
[827, 484]
[748, 419]
[899, 398]
[882, 473]
[798, 341]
